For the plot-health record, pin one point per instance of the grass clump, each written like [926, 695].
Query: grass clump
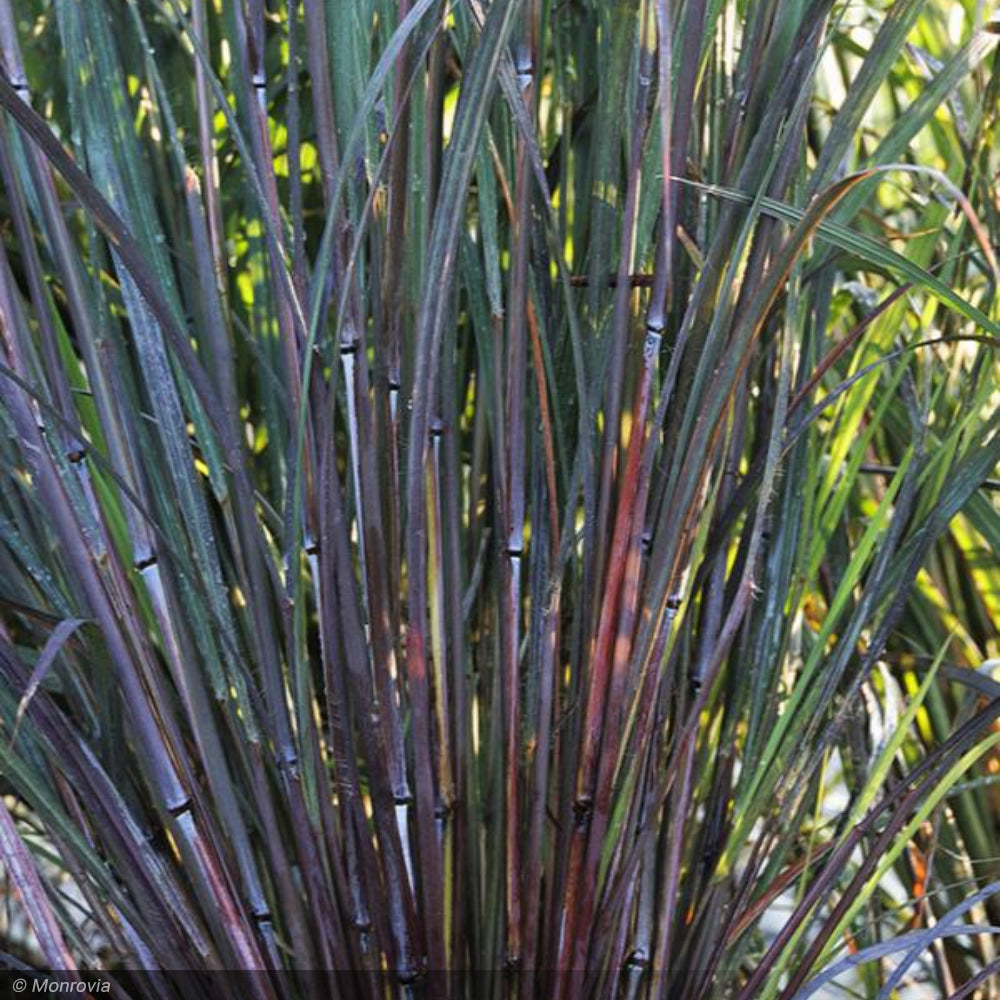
[499, 499]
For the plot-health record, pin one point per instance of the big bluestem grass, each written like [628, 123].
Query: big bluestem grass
[498, 499]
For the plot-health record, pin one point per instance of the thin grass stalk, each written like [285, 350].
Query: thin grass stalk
[458, 783]
[299, 263]
[388, 355]
[514, 495]
[206, 145]
[19, 863]
[249, 44]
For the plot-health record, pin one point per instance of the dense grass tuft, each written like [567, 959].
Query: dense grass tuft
[499, 499]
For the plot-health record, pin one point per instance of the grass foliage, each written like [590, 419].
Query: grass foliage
[498, 495]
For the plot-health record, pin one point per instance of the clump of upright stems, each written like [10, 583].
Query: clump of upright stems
[497, 496]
